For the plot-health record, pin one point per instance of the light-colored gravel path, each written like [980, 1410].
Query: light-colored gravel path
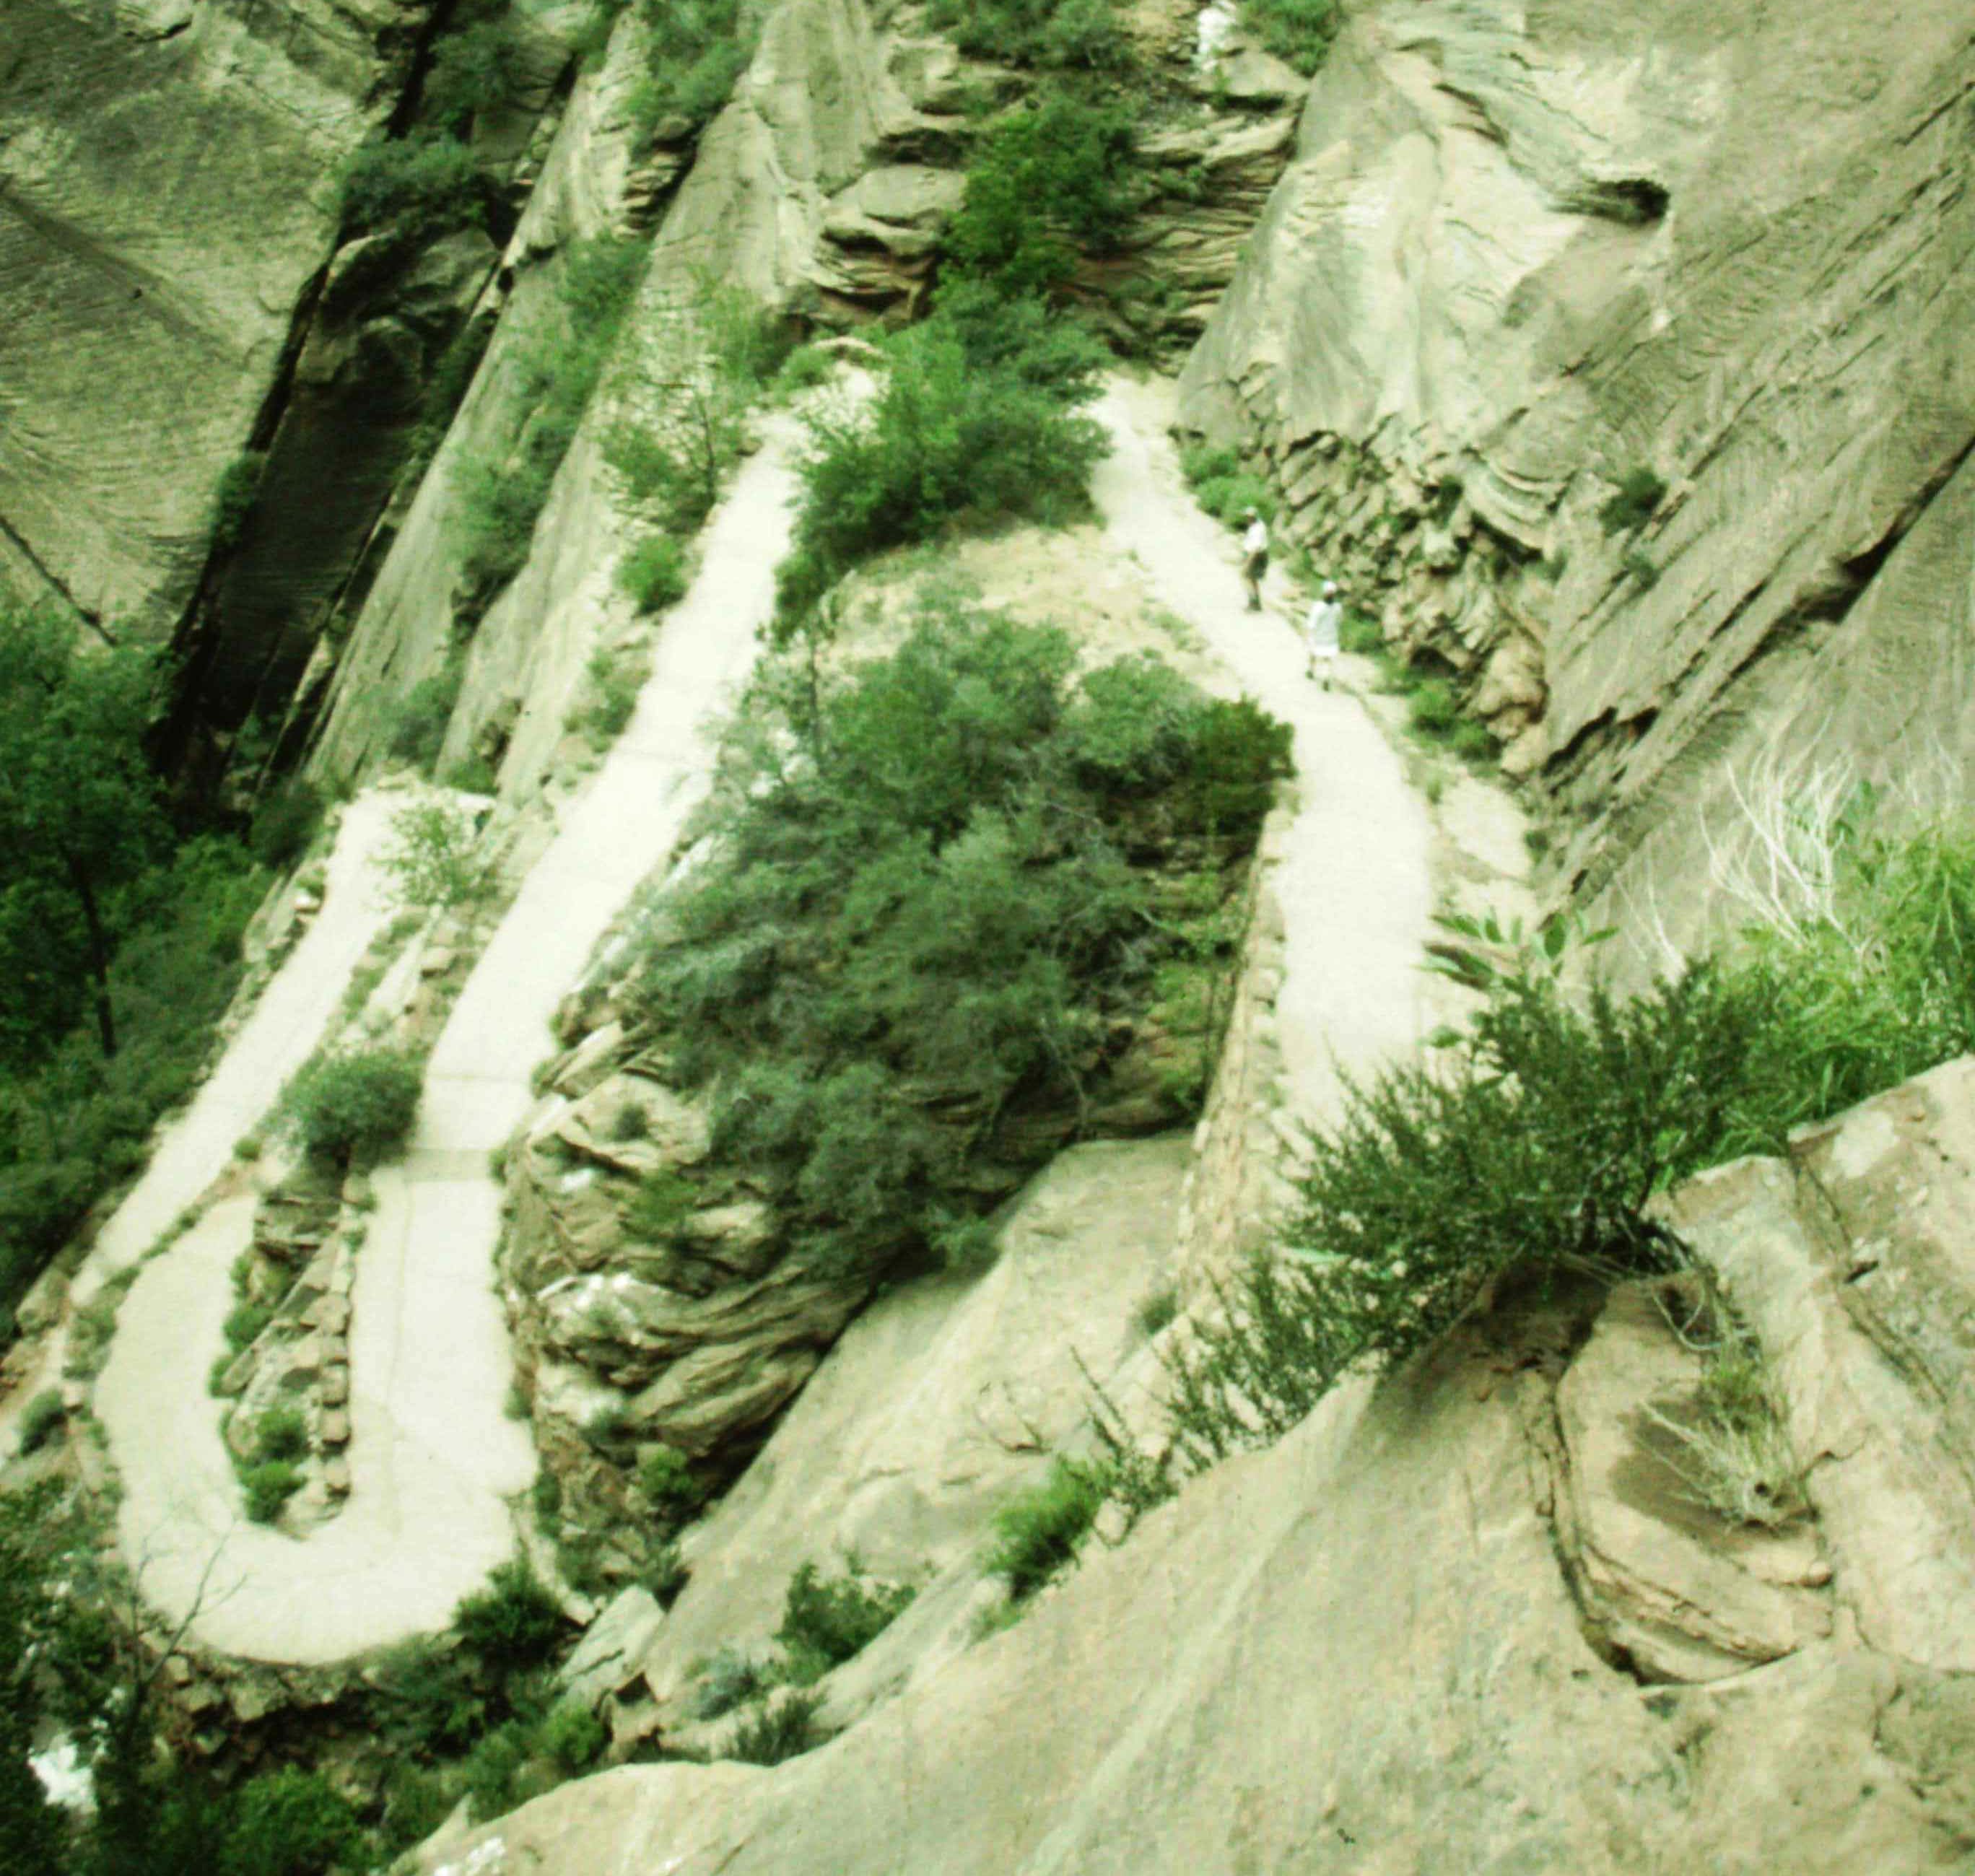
[280, 1032]
[1354, 879]
[433, 1457]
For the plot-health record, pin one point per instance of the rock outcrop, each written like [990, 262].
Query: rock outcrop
[168, 196]
[1478, 1617]
[1524, 255]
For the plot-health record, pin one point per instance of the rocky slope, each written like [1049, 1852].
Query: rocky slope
[1524, 253]
[1480, 1617]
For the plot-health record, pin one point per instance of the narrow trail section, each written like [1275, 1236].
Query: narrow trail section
[287, 1021]
[433, 1457]
[1354, 881]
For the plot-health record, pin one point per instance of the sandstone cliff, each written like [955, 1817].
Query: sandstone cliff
[1525, 253]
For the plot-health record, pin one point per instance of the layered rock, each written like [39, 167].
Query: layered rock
[1481, 1616]
[168, 195]
[1521, 255]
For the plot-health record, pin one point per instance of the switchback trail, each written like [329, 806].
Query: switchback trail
[280, 1033]
[433, 1457]
[1354, 883]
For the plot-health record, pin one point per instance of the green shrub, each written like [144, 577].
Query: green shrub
[416, 1802]
[1224, 486]
[1638, 567]
[514, 1622]
[563, 351]
[282, 1433]
[780, 1731]
[269, 1485]
[631, 1123]
[1433, 709]
[666, 1575]
[1039, 1534]
[245, 1322]
[425, 184]
[653, 573]
[546, 1495]
[1050, 177]
[40, 1419]
[976, 417]
[286, 823]
[419, 723]
[804, 370]
[233, 499]
[428, 1699]
[612, 681]
[1156, 1311]
[1298, 31]
[667, 1480]
[472, 775]
[937, 912]
[695, 55]
[730, 1678]
[432, 860]
[1362, 637]
[289, 1823]
[493, 1770]
[573, 1737]
[827, 1620]
[358, 1104]
[1071, 35]
[475, 71]
[1636, 499]
[1472, 740]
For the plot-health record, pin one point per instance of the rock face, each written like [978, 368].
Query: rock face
[168, 195]
[1525, 252]
[1478, 1617]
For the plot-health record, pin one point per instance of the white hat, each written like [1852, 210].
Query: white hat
[1329, 587]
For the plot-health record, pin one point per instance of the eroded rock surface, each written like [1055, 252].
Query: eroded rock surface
[1476, 1617]
[1525, 252]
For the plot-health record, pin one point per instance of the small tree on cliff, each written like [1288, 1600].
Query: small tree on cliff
[79, 809]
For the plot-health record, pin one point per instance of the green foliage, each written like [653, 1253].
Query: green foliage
[660, 1206]
[561, 355]
[1636, 499]
[653, 573]
[233, 498]
[804, 370]
[695, 55]
[1224, 486]
[429, 1701]
[1638, 567]
[514, 1622]
[826, 1619]
[1298, 31]
[472, 775]
[1039, 1534]
[282, 1433]
[245, 1322]
[730, 1678]
[286, 823]
[1053, 175]
[289, 1823]
[976, 419]
[666, 1575]
[667, 1481]
[1362, 637]
[780, 1731]
[573, 1737]
[908, 945]
[269, 1485]
[1155, 1311]
[475, 71]
[1072, 36]
[1433, 709]
[73, 1123]
[424, 185]
[354, 1104]
[40, 1419]
[417, 723]
[611, 680]
[432, 860]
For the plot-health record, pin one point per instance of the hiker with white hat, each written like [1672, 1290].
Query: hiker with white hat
[1321, 626]
[1254, 557]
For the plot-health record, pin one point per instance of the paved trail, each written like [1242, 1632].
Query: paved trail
[1354, 883]
[279, 1035]
[433, 1456]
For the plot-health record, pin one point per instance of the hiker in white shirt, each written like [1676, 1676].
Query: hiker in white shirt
[1254, 557]
[1320, 628]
